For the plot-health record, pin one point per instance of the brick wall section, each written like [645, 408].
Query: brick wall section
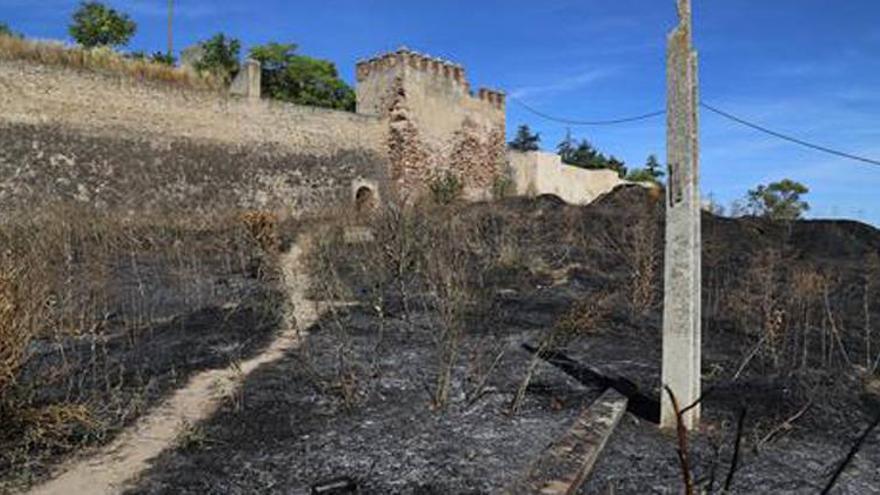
[69, 134]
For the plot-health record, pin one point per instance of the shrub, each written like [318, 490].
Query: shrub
[503, 186]
[446, 189]
[263, 226]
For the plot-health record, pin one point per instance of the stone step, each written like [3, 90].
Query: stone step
[565, 465]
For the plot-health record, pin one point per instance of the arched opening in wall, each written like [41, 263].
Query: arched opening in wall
[364, 200]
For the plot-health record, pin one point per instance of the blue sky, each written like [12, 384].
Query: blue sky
[810, 68]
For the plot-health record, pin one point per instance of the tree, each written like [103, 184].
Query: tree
[566, 148]
[584, 155]
[617, 165]
[300, 79]
[95, 24]
[652, 165]
[5, 30]
[778, 200]
[219, 56]
[525, 140]
[652, 172]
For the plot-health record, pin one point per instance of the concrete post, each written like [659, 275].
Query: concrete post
[247, 82]
[682, 291]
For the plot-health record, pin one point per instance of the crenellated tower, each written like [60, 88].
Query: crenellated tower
[437, 124]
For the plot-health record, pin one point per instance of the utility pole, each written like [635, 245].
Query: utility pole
[170, 30]
[683, 284]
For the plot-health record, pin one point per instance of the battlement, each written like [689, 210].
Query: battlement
[493, 97]
[445, 70]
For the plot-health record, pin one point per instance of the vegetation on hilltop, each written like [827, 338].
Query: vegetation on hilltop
[525, 140]
[584, 155]
[288, 76]
[778, 200]
[102, 60]
[94, 24]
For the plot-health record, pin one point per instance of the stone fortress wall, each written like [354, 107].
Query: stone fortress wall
[77, 135]
[115, 142]
[437, 125]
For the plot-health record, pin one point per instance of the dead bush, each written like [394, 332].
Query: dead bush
[638, 248]
[80, 288]
[583, 318]
[263, 226]
[14, 334]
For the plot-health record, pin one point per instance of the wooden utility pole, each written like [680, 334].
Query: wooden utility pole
[682, 291]
[170, 30]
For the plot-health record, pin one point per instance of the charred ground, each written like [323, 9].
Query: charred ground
[410, 389]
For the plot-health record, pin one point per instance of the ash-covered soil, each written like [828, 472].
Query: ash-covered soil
[78, 392]
[784, 331]
[291, 433]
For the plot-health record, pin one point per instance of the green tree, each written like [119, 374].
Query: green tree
[584, 155]
[566, 148]
[778, 200]
[219, 56]
[652, 172]
[95, 24]
[5, 30]
[300, 79]
[525, 140]
[617, 165]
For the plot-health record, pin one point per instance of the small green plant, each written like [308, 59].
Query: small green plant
[190, 436]
[503, 186]
[163, 58]
[446, 189]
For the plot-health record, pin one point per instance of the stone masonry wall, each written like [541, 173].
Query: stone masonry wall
[436, 124]
[74, 135]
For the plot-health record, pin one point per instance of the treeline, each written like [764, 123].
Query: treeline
[286, 74]
[581, 153]
[781, 200]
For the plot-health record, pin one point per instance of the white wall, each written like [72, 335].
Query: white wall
[536, 172]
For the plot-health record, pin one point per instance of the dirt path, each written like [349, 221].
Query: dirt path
[108, 470]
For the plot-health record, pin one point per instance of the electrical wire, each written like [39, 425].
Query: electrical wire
[715, 110]
[788, 138]
[573, 122]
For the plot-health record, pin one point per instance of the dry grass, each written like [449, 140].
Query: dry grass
[103, 60]
[424, 262]
[71, 275]
[14, 333]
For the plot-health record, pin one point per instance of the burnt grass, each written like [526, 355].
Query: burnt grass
[355, 400]
[132, 358]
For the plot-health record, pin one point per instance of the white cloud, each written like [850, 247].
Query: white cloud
[563, 84]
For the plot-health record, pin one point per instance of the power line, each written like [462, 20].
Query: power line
[788, 138]
[566, 121]
[727, 115]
